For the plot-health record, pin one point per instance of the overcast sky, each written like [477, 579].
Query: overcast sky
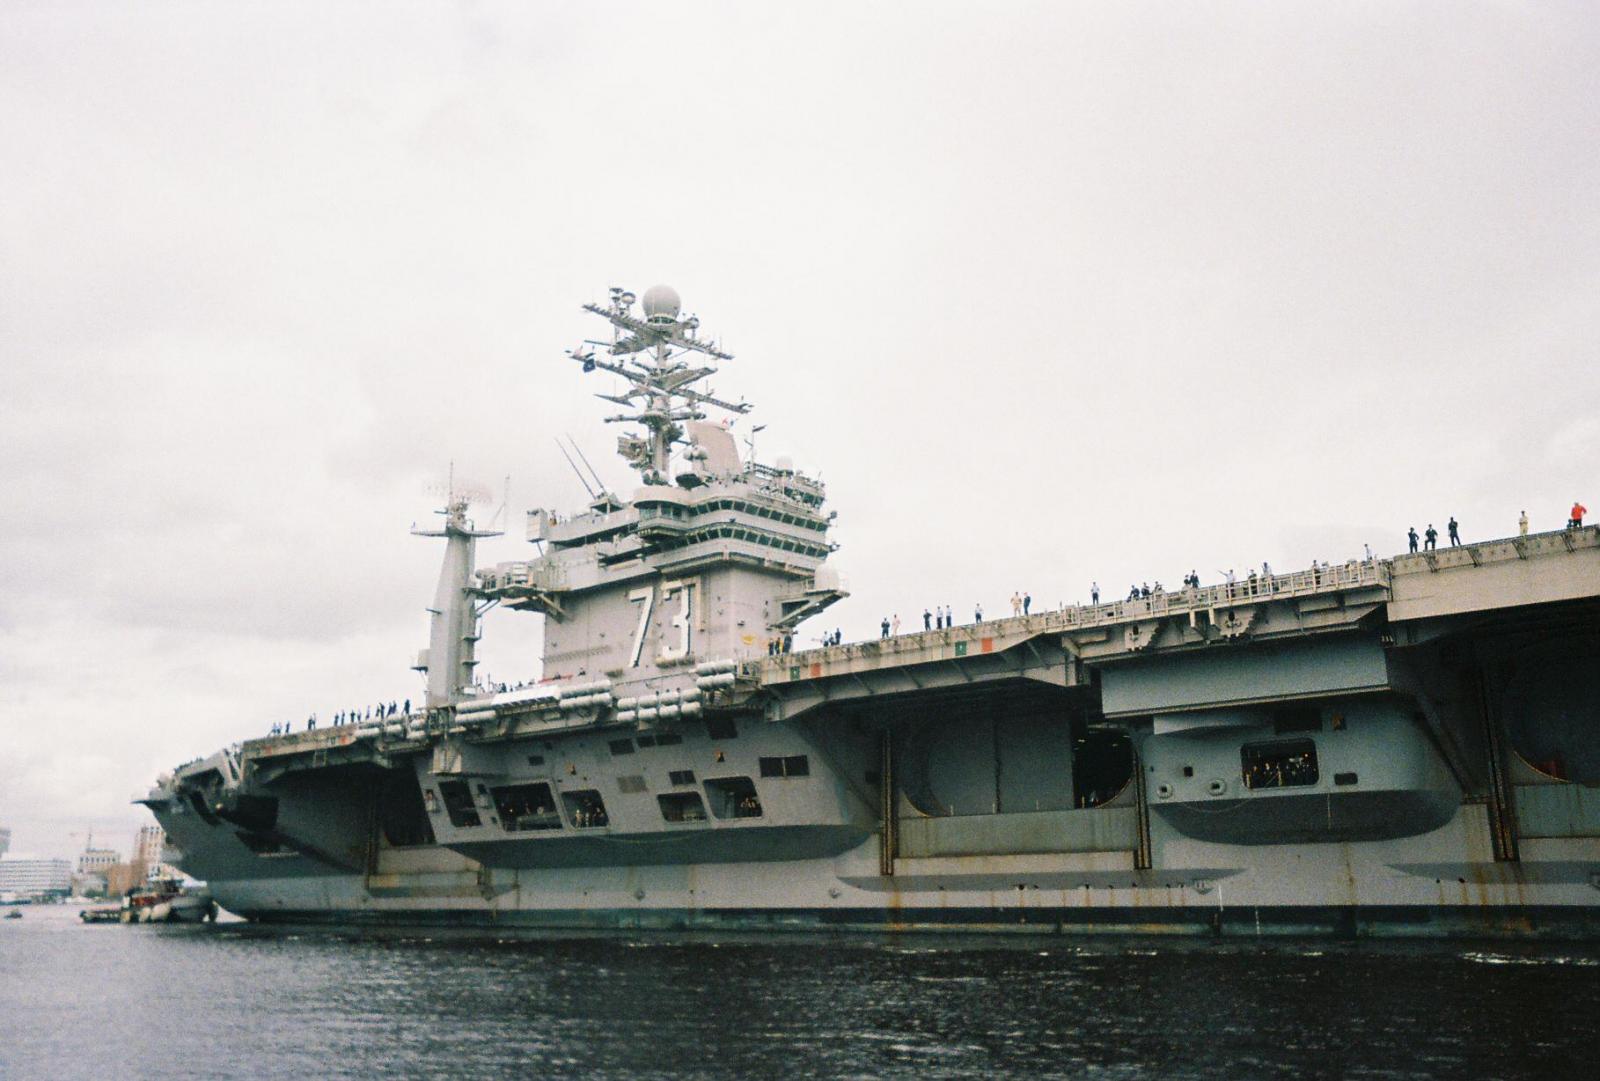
[1046, 293]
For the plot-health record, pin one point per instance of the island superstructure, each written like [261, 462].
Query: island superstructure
[1404, 746]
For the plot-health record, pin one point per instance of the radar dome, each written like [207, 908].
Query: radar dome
[661, 304]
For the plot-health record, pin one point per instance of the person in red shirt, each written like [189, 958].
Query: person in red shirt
[1575, 521]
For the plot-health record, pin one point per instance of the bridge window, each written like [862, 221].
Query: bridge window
[721, 728]
[458, 804]
[668, 739]
[733, 797]
[794, 765]
[1290, 764]
[681, 776]
[682, 807]
[621, 746]
[585, 808]
[525, 807]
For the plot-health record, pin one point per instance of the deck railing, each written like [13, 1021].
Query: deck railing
[1354, 574]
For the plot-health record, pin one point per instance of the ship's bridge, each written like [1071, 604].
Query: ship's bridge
[767, 518]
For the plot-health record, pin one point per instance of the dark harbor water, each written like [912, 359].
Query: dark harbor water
[233, 1002]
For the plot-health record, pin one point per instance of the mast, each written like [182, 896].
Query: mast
[453, 617]
[661, 394]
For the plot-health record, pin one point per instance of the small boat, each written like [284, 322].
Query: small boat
[14, 914]
[101, 914]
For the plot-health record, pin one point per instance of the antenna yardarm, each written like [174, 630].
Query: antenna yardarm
[653, 349]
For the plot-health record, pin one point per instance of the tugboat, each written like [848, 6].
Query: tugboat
[165, 900]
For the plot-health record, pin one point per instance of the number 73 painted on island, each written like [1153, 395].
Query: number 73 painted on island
[646, 595]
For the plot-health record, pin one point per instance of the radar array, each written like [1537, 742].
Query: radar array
[661, 394]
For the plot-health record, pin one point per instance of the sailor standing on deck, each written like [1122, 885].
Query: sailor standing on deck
[1411, 535]
[1431, 538]
[1455, 535]
[927, 620]
[885, 633]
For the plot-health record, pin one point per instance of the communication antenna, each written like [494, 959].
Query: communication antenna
[654, 351]
[575, 469]
[455, 492]
[750, 443]
[505, 501]
[598, 483]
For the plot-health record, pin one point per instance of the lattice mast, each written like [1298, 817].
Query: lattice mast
[661, 392]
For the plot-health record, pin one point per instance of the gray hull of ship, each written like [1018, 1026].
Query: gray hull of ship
[1380, 749]
[1429, 886]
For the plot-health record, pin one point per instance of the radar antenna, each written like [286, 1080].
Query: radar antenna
[661, 395]
[458, 495]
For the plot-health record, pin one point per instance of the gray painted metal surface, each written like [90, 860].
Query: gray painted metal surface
[1364, 748]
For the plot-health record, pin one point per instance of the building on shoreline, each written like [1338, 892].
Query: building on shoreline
[94, 861]
[148, 845]
[35, 878]
[94, 864]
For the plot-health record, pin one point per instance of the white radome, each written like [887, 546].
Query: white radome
[661, 304]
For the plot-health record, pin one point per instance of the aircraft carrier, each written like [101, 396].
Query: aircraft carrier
[1406, 746]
